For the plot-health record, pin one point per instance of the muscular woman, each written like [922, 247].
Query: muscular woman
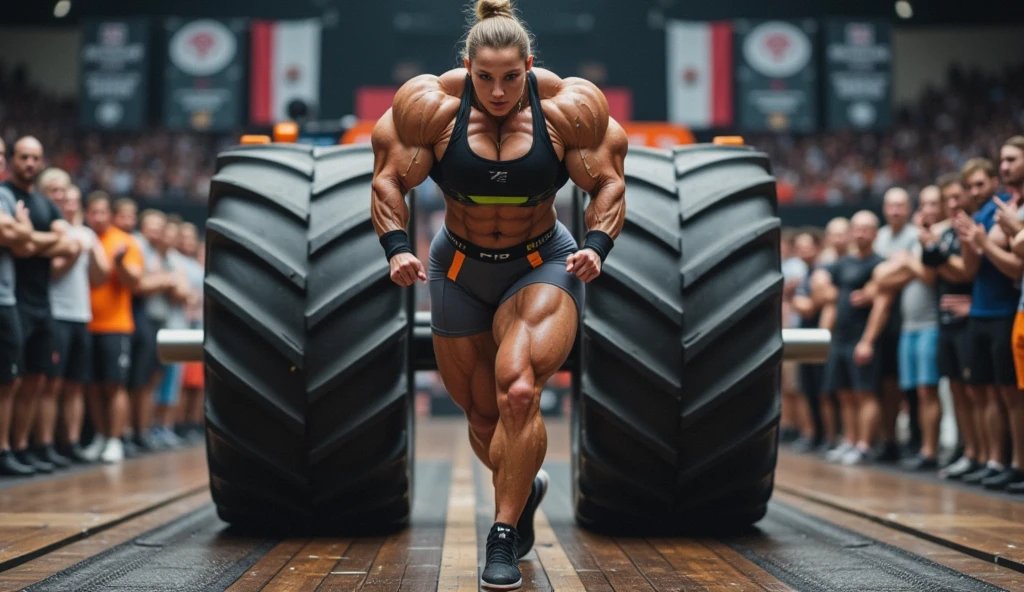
[500, 138]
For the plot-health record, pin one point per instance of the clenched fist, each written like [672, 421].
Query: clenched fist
[585, 263]
[405, 268]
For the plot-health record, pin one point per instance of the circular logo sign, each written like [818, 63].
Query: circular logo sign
[202, 48]
[109, 113]
[861, 114]
[777, 49]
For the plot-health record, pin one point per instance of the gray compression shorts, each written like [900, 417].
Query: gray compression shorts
[468, 283]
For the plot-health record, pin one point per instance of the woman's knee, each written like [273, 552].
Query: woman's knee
[520, 400]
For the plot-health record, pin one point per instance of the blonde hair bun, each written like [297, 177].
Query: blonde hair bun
[486, 9]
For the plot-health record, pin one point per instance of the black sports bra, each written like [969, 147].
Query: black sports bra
[470, 179]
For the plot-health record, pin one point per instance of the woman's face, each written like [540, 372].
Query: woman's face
[499, 78]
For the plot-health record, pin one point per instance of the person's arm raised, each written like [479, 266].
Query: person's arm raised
[403, 151]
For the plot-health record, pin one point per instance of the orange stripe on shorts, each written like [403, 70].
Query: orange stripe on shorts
[534, 259]
[453, 271]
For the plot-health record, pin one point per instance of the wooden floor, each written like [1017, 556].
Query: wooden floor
[828, 528]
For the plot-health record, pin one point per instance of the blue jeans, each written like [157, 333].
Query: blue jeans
[919, 358]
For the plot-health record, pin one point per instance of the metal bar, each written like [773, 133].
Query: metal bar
[179, 345]
[808, 346]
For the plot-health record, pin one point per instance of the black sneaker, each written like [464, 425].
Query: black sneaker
[803, 445]
[501, 572]
[130, 449]
[980, 475]
[920, 463]
[1017, 487]
[10, 466]
[888, 453]
[49, 454]
[957, 469]
[77, 454]
[525, 526]
[27, 458]
[1002, 480]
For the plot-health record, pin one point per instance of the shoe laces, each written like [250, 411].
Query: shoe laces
[501, 545]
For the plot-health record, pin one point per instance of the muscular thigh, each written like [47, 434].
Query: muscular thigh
[535, 329]
[466, 365]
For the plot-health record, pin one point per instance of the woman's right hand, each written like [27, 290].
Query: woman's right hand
[405, 268]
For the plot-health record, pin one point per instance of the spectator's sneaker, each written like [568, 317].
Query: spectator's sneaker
[524, 528]
[804, 445]
[78, 454]
[981, 474]
[170, 439]
[501, 572]
[837, 453]
[920, 463]
[130, 450]
[962, 466]
[113, 451]
[854, 457]
[92, 452]
[10, 466]
[1017, 487]
[27, 458]
[50, 455]
[1002, 480]
[889, 453]
[146, 442]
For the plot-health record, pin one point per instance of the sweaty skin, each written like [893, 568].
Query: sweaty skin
[496, 377]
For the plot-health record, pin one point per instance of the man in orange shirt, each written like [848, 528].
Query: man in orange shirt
[112, 327]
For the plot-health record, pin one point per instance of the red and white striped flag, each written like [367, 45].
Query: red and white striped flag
[700, 71]
[285, 66]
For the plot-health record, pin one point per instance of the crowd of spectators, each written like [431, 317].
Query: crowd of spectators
[933, 295]
[86, 282]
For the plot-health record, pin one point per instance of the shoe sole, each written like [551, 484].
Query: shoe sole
[518, 584]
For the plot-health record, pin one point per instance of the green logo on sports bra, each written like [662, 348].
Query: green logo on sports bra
[493, 200]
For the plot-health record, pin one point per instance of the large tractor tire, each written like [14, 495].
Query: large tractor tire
[675, 423]
[309, 408]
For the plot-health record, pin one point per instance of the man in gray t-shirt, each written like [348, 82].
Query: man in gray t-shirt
[919, 335]
[896, 239]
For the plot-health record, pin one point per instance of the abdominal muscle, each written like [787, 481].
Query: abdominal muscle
[498, 227]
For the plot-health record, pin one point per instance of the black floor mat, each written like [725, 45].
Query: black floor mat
[813, 555]
[195, 552]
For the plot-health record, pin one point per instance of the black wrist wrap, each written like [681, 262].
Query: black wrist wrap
[395, 242]
[600, 242]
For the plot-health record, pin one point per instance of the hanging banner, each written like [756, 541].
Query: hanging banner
[204, 82]
[776, 80]
[700, 73]
[858, 64]
[114, 59]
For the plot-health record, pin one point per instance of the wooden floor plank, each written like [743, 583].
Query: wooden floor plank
[985, 571]
[43, 567]
[746, 567]
[583, 562]
[271, 564]
[659, 573]
[350, 573]
[307, 569]
[459, 550]
[553, 558]
[617, 567]
[40, 516]
[703, 567]
[986, 525]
